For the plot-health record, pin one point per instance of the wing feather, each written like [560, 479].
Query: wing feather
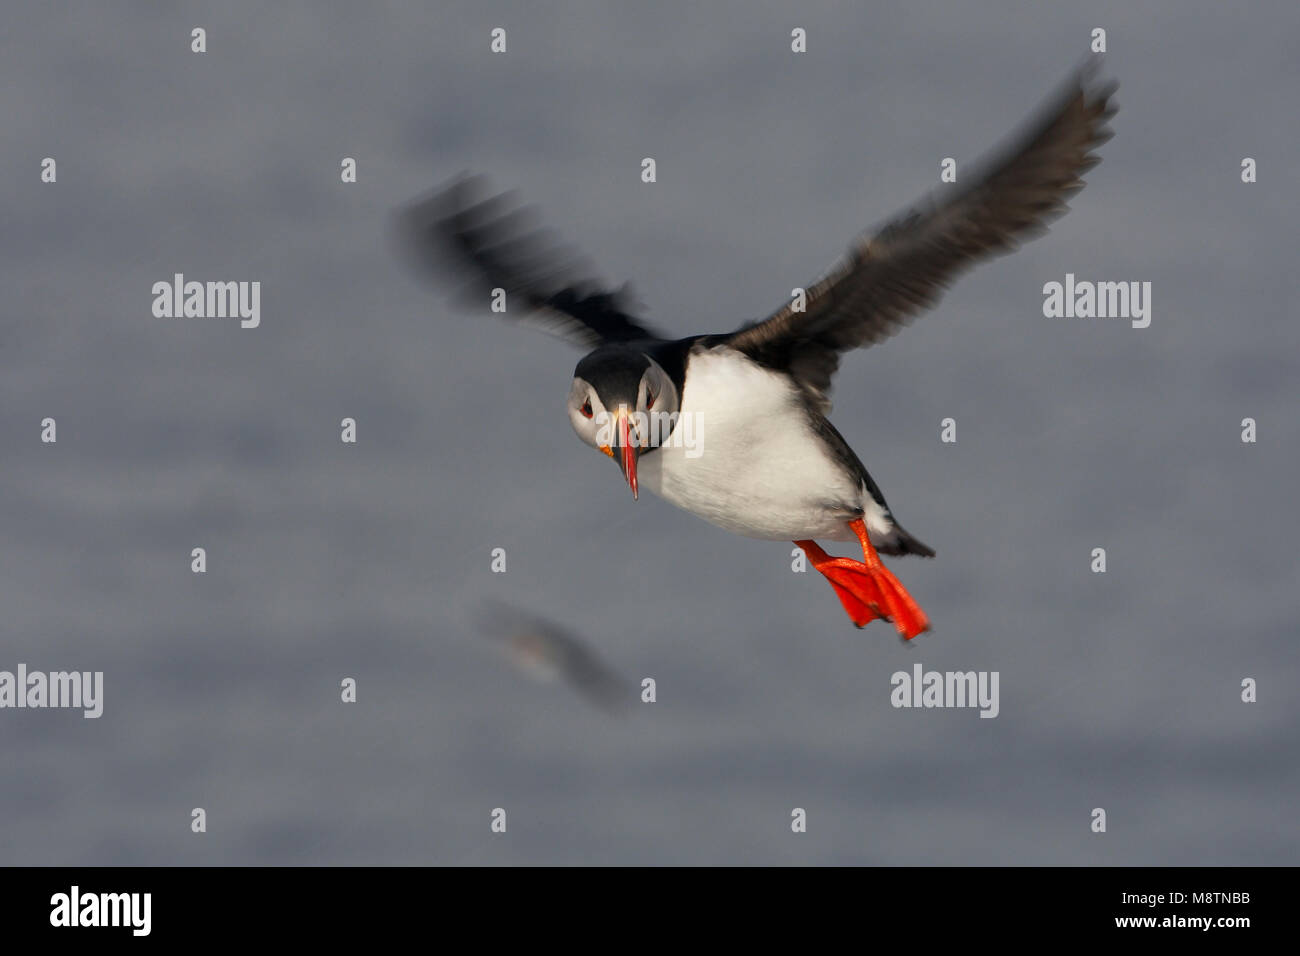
[490, 242]
[890, 276]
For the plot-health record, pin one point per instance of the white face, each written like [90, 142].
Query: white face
[656, 400]
[586, 411]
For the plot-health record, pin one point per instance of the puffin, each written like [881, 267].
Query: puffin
[548, 652]
[733, 427]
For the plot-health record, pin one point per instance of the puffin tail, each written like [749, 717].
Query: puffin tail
[900, 542]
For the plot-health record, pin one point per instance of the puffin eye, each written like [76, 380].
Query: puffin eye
[586, 408]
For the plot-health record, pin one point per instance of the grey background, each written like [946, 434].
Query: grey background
[222, 690]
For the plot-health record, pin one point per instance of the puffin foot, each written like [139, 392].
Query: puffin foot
[867, 589]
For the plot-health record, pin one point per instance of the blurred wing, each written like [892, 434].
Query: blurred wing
[545, 649]
[903, 268]
[496, 244]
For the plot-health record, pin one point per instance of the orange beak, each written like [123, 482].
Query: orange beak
[630, 451]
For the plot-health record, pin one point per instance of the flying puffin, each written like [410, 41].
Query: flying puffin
[766, 463]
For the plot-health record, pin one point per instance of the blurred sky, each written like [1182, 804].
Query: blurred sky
[372, 561]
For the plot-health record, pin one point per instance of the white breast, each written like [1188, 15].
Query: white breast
[744, 457]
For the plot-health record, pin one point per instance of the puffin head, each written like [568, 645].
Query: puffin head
[624, 404]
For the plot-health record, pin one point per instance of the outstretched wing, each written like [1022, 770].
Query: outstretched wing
[903, 268]
[490, 242]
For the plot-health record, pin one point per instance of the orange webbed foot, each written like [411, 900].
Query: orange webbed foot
[867, 589]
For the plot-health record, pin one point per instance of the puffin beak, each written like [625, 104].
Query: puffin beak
[630, 452]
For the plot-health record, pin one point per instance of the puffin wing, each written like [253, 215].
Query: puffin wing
[463, 230]
[895, 273]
